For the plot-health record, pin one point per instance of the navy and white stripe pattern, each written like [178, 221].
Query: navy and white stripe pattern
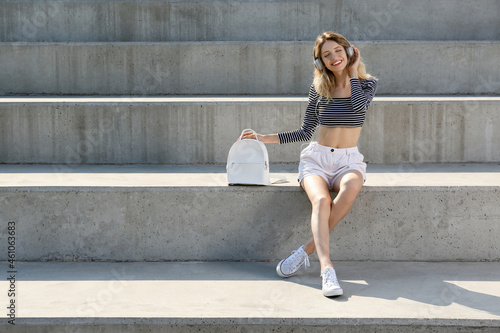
[339, 112]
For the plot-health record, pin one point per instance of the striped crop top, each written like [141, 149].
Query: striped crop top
[339, 112]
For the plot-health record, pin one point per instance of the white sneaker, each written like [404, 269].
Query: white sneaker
[290, 265]
[331, 285]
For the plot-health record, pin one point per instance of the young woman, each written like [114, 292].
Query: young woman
[338, 100]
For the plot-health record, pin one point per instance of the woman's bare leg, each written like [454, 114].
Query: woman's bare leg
[318, 192]
[347, 186]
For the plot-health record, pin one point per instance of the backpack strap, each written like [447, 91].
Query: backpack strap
[248, 130]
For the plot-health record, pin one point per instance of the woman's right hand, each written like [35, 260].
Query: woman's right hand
[250, 135]
[265, 138]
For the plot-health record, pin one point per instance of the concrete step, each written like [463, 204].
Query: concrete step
[194, 130]
[229, 68]
[153, 213]
[392, 297]
[255, 20]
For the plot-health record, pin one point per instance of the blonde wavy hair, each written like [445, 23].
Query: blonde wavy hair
[324, 81]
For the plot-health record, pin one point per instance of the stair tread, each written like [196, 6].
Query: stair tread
[175, 176]
[181, 99]
[256, 42]
[395, 293]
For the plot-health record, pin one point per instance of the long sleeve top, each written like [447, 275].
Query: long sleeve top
[338, 112]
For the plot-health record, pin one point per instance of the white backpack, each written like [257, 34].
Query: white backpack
[248, 162]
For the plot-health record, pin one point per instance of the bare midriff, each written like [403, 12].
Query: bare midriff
[338, 137]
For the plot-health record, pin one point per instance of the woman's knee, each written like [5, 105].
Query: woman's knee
[321, 200]
[354, 186]
[350, 189]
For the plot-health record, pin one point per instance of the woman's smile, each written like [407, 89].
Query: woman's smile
[336, 63]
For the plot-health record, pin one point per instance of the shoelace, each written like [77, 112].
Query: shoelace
[296, 264]
[330, 279]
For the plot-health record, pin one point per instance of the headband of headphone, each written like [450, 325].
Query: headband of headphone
[319, 63]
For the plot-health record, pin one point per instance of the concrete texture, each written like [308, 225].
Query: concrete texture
[191, 130]
[91, 21]
[404, 68]
[413, 212]
[140, 325]
[250, 297]
[177, 176]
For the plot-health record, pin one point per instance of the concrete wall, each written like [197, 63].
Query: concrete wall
[91, 21]
[410, 68]
[188, 131]
[137, 224]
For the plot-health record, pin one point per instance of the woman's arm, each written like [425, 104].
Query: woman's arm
[266, 138]
[309, 124]
[302, 134]
[361, 92]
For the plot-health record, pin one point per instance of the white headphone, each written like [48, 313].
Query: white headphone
[319, 63]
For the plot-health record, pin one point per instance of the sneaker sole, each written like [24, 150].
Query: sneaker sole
[280, 273]
[335, 292]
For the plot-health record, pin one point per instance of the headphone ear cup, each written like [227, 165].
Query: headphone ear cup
[350, 51]
[318, 64]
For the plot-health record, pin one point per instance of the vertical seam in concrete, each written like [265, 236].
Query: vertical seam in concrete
[411, 134]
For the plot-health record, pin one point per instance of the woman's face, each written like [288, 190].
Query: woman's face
[334, 56]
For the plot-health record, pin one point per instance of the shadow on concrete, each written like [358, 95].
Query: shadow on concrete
[438, 284]
[474, 285]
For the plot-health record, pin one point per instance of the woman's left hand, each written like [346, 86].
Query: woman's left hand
[355, 60]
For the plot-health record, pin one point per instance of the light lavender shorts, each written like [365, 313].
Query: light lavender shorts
[329, 162]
